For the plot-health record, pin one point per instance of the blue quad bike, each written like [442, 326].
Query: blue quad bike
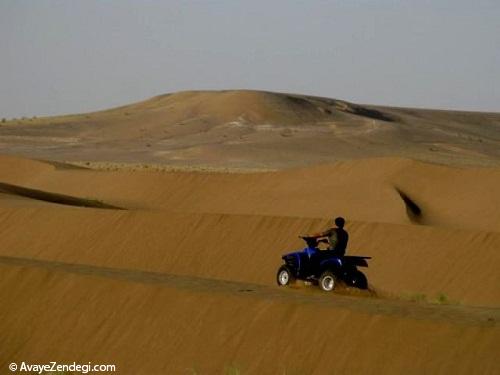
[322, 267]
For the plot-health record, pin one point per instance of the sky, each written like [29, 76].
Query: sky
[59, 57]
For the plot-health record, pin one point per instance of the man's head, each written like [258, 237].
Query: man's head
[339, 221]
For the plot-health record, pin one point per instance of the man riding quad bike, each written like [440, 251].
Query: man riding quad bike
[325, 267]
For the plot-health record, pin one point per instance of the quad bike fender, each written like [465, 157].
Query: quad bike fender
[294, 262]
[333, 264]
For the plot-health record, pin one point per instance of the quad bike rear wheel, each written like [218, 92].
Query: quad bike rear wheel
[284, 276]
[327, 281]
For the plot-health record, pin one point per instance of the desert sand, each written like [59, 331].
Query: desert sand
[161, 259]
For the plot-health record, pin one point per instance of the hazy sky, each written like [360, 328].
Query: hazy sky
[75, 56]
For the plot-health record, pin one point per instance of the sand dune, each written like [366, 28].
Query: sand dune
[218, 246]
[362, 190]
[182, 278]
[183, 223]
[156, 328]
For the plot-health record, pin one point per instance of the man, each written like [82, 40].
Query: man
[337, 237]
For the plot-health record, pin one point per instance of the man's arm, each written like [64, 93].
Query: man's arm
[325, 233]
[333, 239]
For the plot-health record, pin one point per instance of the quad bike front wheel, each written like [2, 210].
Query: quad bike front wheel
[284, 276]
[327, 281]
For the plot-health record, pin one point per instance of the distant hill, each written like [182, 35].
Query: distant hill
[258, 129]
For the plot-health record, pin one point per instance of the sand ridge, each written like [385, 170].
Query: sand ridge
[362, 190]
[44, 196]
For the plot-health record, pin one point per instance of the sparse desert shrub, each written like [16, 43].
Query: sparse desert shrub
[4, 120]
[440, 299]
[232, 370]
[444, 299]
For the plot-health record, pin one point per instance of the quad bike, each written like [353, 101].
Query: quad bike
[322, 267]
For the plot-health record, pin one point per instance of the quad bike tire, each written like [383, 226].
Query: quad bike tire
[284, 276]
[327, 281]
[358, 280]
